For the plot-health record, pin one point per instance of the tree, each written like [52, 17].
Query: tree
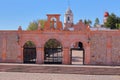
[53, 43]
[34, 25]
[29, 44]
[113, 22]
[87, 22]
[96, 22]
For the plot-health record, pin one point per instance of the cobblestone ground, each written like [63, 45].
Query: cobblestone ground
[46, 76]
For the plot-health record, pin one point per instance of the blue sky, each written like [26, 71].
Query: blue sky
[21, 12]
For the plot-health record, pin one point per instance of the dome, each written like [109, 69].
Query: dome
[106, 14]
[69, 11]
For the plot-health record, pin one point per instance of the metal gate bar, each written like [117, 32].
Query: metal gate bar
[53, 56]
[29, 55]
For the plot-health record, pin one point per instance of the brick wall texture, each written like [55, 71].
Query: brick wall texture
[102, 49]
[98, 49]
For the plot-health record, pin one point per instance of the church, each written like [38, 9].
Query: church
[61, 43]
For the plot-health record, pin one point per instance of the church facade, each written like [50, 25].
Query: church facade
[99, 47]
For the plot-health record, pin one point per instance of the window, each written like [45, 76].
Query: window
[68, 18]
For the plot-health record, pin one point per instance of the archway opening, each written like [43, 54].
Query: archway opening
[53, 23]
[29, 52]
[53, 52]
[77, 54]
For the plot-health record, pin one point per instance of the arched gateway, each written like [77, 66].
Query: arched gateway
[29, 52]
[53, 52]
[77, 53]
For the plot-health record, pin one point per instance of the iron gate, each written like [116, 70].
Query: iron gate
[77, 49]
[29, 55]
[53, 56]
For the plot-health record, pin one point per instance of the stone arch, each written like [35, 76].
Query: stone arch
[59, 40]
[79, 52]
[53, 23]
[26, 40]
[78, 40]
[53, 52]
[53, 18]
[29, 52]
[54, 41]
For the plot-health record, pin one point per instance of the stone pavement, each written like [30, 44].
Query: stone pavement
[61, 69]
[48, 76]
[58, 72]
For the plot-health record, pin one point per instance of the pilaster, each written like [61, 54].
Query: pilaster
[66, 55]
[40, 55]
[87, 54]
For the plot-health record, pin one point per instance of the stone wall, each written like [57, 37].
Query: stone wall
[8, 46]
[102, 49]
[1, 45]
[98, 49]
[12, 47]
[115, 50]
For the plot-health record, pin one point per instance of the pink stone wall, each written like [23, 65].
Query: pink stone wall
[1, 47]
[104, 48]
[98, 48]
[12, 47]
[115, 50]
[9, 46]
[101, 49]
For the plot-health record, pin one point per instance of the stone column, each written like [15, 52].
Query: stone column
[109, 50]
[66, 55]
[40, 55]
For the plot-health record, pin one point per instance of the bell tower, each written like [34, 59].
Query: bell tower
[68, 18]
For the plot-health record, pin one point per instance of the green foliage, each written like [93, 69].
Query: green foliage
[113, 22]
[42, 22]
[118, 25]
[52, 43]
[87, 22]
[34, 25]
[96, 22]
[29, 44]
